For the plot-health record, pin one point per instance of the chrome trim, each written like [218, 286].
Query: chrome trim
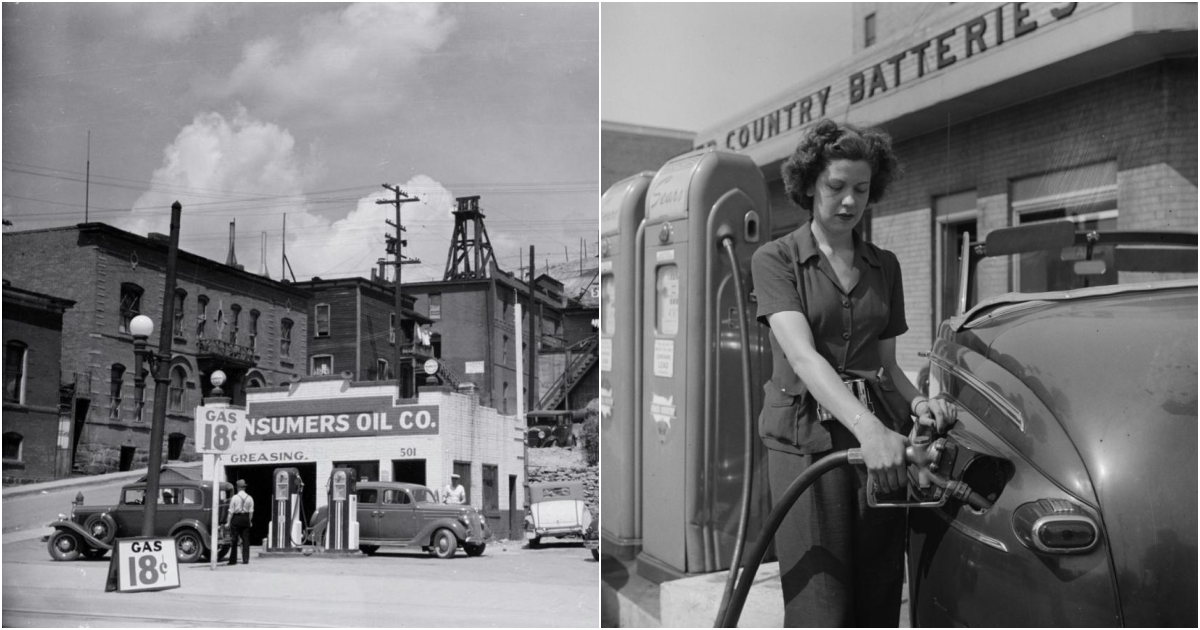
[972, 534]
[1009, 410]
[1035, 530]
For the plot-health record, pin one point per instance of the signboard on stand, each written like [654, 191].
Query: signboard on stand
[220, 429]
[143, 564]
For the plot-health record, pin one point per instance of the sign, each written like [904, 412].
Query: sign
[431, 367]
[474, 367]
[338, 417]
[143, 564]
[220, 429]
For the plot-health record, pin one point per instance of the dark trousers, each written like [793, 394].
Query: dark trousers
[841, 562]
[239, 529]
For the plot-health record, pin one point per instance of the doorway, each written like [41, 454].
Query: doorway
[409, 470]
[259, 480]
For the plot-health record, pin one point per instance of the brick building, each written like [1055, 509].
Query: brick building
[351, 327]
[36, 427]
[362, 426]
[248, 326]
[629, 149]
[1002, 114]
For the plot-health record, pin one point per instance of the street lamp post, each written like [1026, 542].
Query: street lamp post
[160, 363]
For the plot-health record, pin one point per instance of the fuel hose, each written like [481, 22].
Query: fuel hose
[747, 413]
[838, 458]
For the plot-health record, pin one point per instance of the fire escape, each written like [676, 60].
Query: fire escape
[581, 356]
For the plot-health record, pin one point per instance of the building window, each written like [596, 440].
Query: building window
[435, 306]
[15, 354]
[175, 443]
[463, 469]
[391, 328]
[504, 351]
[491, 489]
[322, 320]
[178, 385]
[504, 400]
[322, 365]
[116, 380]
[285, 337]
[957, 220]
[201, 315]
[381, 370]
[235, 320]
[131, 304]
[254, 330]
[13, 442]
[180, 298]
[254, 382]
[869, 30]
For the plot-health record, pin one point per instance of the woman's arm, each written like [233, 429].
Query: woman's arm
[883, 449]
[936, 412]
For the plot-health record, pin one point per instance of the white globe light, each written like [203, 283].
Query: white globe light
[217, 378]
[141, 326]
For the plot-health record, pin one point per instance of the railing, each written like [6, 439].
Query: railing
[225, 349]
[585, 356]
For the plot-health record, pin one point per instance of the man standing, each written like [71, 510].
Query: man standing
[241, 517]
[454, 492]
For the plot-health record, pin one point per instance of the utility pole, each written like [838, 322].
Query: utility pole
[399, 242]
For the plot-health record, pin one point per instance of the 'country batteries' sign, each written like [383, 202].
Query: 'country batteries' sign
[345, 417]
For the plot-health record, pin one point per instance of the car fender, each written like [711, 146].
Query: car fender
[426, 533]
[83, 533]
[191, 523]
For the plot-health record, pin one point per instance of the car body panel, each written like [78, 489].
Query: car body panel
[557, 509]
[1082, 395]
[390, 515]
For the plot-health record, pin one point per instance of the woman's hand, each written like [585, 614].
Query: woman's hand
[938, 413]
[883, 453]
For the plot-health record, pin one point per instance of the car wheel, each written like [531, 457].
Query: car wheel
[474, 550]
[188, 546]
[368, 549]
[596, 555]
[101, 527]
[94, 553]
[535, 542]
[65, 546]
[444, 544]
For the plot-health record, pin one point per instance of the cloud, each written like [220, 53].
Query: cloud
[176, 21]
[347, 64]
[242, 169]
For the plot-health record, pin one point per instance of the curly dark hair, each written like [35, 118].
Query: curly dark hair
[827, 141]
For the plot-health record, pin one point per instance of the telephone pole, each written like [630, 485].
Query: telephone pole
[398, 243]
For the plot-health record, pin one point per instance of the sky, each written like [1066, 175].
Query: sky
[687, 66]
[249, 112]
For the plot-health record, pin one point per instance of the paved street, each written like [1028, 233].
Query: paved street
[556, 586]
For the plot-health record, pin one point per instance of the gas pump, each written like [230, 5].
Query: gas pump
[285, 532]
[342, 532]
[622, 208]
[700, 207]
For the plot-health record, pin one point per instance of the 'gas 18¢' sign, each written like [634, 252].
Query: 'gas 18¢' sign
[354, 417]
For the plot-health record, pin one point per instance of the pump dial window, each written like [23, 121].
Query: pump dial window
[667, 307]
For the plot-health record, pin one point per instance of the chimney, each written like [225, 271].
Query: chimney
[231, 260]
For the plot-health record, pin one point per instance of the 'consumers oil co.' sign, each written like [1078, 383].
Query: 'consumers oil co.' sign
[350, 417]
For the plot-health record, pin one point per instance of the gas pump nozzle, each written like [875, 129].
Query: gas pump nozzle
[926, 454]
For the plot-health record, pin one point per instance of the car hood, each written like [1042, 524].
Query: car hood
[1119, 372]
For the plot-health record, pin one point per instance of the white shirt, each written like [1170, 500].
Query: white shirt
[454, 493]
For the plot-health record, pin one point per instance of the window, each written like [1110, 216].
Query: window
[957, 220]
[396, 497]
[180, 298]
[201, 315]
[235, 320]
[285, 337]
[504, 400]
[435, 306]
[869, 30]
[254, 330]
[116, 380]
[15, 353]
[322, 320]
[381, 370]
[13, 442]
[504, 351]
[134, 496]
[190, 496]
[391, 328]
[491, 490]
[178, 383]
[464, 477]
[175, 442]
[322, 365]
[368, 496]
[131, 304]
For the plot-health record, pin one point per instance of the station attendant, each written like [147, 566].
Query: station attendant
[241, 517]
[454, 492]
[835, 305]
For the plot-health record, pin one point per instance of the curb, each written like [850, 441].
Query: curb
[80, 482]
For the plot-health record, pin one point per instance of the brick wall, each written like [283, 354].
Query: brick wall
[37, 418]
[906, 234]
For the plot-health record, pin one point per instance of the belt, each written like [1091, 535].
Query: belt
[861, 391]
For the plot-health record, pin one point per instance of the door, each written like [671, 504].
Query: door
[368, 513]
[398, 515]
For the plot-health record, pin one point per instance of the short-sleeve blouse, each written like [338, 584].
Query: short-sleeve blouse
[791, 274]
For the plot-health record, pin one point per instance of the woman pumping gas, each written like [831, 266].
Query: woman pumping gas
[835, 305]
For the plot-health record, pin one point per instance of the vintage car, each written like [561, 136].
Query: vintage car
[1077, 421]
[591, 539]
[397, 514]
[184, 512]
[556, 510]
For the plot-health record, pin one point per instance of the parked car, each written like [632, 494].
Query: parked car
[397, 514]
[1077, 407]
[556, 510]
[184, 512]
